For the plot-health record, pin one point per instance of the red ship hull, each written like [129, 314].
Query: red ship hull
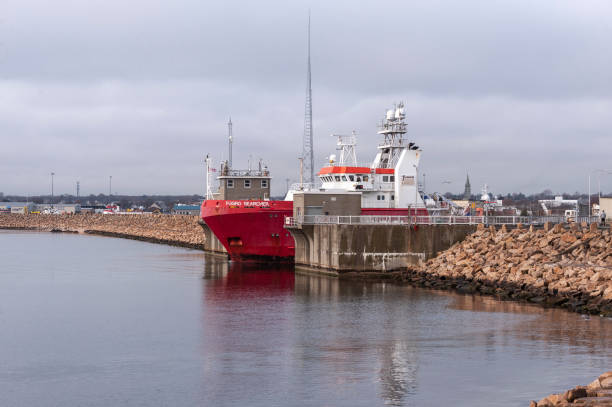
[254, 230]
[251, 230]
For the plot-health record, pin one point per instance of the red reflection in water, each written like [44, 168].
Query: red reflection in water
[230, 280]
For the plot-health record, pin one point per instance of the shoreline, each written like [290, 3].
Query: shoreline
[173, 230]
[554, 267]
[567, 268]
[176, 243]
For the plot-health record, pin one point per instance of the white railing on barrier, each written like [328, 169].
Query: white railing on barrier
[429, 220]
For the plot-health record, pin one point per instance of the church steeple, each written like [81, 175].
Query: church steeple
[467, 192]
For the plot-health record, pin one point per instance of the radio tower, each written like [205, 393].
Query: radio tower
[307, 147]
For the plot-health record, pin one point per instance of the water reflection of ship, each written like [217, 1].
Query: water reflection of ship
[238, 277]
[395, 353]
[326, 329]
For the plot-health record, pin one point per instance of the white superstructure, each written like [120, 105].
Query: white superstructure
[391, 180]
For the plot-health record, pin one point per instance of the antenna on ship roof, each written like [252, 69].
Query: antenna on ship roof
[231, 141]
[209, 171]
[307, 142]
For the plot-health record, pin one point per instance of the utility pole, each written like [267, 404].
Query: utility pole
[52, 175]
[110, 185]
[78, 189]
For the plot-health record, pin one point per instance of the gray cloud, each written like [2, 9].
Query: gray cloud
[517, 93]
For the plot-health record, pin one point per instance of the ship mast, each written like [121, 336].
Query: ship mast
[230, 141]
[209, 194]
[307, 146]
[393, 128]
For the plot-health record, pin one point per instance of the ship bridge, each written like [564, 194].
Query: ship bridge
[391, 180]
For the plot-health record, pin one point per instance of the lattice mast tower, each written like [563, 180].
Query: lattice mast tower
[393, 129]
[307, 146]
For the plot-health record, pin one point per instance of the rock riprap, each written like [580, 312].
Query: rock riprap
[567, 266]
[596, 394]
[179, 230]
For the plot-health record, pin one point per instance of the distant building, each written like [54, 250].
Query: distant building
[605, 204]
[155, 208]
[93, 208]
[181, 209]
[467, 192]
[59, 208]
[68, 208]
[17, 207]
[462, 203]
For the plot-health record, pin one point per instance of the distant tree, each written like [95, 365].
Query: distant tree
[547, 192]
[124, 203]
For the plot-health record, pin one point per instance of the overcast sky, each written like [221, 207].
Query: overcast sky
[516, 93]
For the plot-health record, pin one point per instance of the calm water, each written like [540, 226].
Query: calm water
[93, 321]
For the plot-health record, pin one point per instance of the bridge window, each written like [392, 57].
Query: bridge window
[393, 197]
[392, 178]
[358, 178]
[365, 178]
[385, 178]
[352, 178]
[230, 183]
[337, 178]
[382, 197]
[247, 183]
[264, 183]
[344, 178]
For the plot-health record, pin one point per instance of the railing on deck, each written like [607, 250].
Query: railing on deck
[429, 220]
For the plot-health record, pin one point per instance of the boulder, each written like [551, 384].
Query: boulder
[605, 380]
[575, 393]
[568, 237]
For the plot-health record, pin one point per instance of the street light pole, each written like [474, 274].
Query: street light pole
[52, 175]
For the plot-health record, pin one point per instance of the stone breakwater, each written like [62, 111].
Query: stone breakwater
[596, 394]
[177, 230]
[565, 266]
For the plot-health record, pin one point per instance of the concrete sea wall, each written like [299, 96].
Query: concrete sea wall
[339, 249]
[211, 243]
[564, 266]
[178, 230]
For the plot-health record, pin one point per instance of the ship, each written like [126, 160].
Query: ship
[250, 225]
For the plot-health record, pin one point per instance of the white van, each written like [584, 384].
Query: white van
[570, 215]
